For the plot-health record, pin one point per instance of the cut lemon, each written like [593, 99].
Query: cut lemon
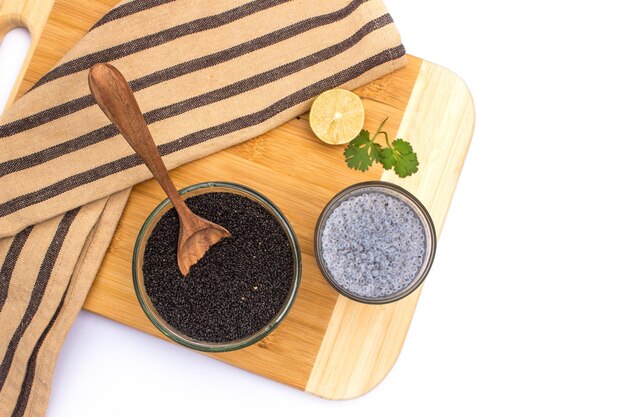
[337, 116]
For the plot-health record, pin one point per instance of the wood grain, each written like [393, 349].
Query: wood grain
[29, 14]
[328, 345]
[363, 342]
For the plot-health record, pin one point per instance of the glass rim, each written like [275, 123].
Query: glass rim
[429, 229]
[236, 344]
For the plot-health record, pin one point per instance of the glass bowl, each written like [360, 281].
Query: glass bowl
[138, 279]
[400, 194]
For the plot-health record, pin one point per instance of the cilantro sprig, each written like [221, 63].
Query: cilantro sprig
[363, 151]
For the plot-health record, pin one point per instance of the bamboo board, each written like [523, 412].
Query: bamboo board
[328, 345]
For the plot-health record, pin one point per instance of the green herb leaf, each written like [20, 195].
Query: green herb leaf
[375, 152]
[362, 152]
[387, 158]
[357, 152]
[402, 147]
[406, 160]
[362, 140]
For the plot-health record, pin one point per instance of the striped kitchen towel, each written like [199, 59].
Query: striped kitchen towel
[208, 75]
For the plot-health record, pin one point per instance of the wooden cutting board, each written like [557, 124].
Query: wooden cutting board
[328, 345]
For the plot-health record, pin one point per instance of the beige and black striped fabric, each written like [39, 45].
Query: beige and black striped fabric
[208, 75]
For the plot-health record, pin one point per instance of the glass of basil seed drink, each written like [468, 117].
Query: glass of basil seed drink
[375, 242]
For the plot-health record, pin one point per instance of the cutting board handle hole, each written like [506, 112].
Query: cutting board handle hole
[13, 51]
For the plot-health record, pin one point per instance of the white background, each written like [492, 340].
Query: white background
[524, 312]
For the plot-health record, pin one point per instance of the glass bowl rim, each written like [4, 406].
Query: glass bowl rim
[422, 274]
[274, 322]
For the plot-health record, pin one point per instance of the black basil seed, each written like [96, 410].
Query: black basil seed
[237, 288]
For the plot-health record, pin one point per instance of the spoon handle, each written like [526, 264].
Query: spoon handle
[112, 93]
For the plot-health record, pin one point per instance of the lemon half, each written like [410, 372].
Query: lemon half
[337, 116]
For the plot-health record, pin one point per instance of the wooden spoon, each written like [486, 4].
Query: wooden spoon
[115, 98]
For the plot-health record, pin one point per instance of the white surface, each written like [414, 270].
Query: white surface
[524, 312]
[12, 53]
